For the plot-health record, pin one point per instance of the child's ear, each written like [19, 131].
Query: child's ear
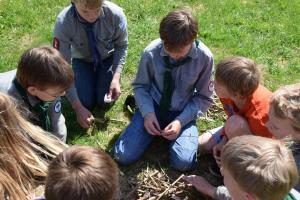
[32, 90]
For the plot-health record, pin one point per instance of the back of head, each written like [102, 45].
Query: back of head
[285, 103]
[262, 167]
[82, 173]
[178, 29]
[44, 67]
[91, 4]
[239, 75]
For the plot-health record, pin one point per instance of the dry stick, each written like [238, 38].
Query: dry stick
[136, 187]
[164, 192]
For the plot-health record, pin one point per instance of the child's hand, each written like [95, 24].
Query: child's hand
[83, 115]
[151, 124]
[201, 184]
[218, 149]
[172, 131]
[115, 89]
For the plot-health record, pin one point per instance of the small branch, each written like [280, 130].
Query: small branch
[164, 192]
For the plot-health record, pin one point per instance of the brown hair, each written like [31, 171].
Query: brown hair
[178, 29]
[82, 172]
[261, 166]
[89, 3]
[286, 104]
[23, 152]
[44, 67]
[239, 75]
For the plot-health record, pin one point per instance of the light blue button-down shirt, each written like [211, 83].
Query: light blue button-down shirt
[193, 85]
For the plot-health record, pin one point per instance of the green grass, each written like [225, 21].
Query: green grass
[264, 30]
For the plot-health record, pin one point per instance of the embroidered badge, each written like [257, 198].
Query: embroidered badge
[56, 43]
[57, 107]
[211, 86]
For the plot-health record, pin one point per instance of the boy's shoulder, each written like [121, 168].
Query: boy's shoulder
[6, 79]
[203, 49]
[155, 45]
[261, 96]
[112, 7]
[66, 14]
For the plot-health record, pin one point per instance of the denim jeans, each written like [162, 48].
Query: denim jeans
[92, 85]
[134, 141]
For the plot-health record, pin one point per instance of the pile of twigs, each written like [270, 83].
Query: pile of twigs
[156, 185]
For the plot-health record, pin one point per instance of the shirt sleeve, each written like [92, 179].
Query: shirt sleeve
[202, 98]
[58, 125]
[222, 193]
[61, 40]
[121, 43]
[142, 85]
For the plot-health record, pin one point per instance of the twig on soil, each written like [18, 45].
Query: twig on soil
[136, 187]
[164, 192]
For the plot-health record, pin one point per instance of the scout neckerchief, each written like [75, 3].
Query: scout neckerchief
[289, 196]
[167, 94]
[89, 29]
[40, 108]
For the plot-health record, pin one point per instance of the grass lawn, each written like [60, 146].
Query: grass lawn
[264, 30]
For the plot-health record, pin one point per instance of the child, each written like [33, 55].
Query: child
[245, 102]
[82, 173]
[92, 35]
[24, 149]
[254, 168]
[42, 76]
[284, 117]
[171, 88]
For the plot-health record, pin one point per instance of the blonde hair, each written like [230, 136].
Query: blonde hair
[24, 149]
[261, 166]
[286, 104]
[91, 172]
[89, 3]
[238, 74]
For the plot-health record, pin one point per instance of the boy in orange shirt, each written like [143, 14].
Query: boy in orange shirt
[245, 102]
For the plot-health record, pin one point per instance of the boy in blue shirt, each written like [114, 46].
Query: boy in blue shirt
[172, 87]
[41, 78]
[92, 35]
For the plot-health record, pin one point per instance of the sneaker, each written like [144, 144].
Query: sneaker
[214, 169]
[130, 104]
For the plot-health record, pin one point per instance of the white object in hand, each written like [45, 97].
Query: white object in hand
[107, 98]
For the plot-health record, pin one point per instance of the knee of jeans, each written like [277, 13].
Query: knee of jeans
[235, 126]
[123, 155]
[183, 159]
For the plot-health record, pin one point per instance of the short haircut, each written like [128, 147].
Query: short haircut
[239, 75]
[178, 29]
[89, 3]
[82, 172]
[44, 67]
[261, 166]
[286, 104]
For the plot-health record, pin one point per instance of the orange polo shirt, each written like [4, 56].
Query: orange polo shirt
[255, 111]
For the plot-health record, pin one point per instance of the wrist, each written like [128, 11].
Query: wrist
[76, 105]
[116, 77]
